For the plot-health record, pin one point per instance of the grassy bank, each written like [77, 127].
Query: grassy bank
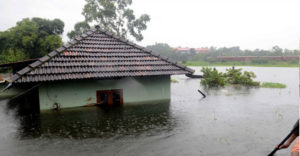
[242, 63]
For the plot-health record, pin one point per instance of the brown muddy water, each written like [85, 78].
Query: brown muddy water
[230, 121]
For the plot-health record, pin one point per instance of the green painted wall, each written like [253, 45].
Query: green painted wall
[136, 90]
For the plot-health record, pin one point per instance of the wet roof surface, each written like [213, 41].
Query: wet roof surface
[98, 54]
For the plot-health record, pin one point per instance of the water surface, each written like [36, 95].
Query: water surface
[230, 121]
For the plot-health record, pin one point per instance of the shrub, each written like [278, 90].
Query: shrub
[212, 78]
[174, 80]
[235, 76]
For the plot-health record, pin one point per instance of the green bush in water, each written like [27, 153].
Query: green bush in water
[174, 80]
[212, 78]
[236, 76]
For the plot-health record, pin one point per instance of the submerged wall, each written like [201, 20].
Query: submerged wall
[11, 92]
[14, 90]
[136, 90]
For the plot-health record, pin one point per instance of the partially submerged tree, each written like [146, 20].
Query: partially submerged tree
[30, 38]
[236, 76]
[213, 78]
[114, 16]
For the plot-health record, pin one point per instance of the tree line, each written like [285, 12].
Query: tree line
[30, 38]
[167, 51]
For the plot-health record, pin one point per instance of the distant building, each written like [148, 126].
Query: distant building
[182, 50]
[189, 50]
[202, 50]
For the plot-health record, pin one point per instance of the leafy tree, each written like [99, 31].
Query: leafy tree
[45, 26]
[114, 16]
[11, 55]
[30, 38]
[235, 76]
[79, 28]
[277, 50]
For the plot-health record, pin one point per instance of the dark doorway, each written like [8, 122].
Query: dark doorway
[110, 97]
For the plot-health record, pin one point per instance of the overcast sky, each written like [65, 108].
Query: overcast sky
[249, 24]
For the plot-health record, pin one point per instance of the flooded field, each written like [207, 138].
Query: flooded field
[229, 121]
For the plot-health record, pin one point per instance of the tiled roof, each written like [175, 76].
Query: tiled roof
[98, 54]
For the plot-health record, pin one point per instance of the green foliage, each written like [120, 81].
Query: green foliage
[277, 50]
[114, 16]
[46, 27]
[30, 38]
[11, 55]
[79, 28]
[212, 78]
[50, 43]
[272, 85]
[235, 76]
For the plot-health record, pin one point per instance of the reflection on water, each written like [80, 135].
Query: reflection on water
[90, 122]
[229, 121]
[229, 90]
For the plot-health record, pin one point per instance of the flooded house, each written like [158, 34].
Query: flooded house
[97, 68]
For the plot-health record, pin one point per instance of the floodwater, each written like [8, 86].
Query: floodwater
[229, 121]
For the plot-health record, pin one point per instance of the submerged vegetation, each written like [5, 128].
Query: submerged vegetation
[236, 76]
[174, 80]
[214, 78]
[272, 85]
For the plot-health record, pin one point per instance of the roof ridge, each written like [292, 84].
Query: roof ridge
[143, 49]
[51, 55]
